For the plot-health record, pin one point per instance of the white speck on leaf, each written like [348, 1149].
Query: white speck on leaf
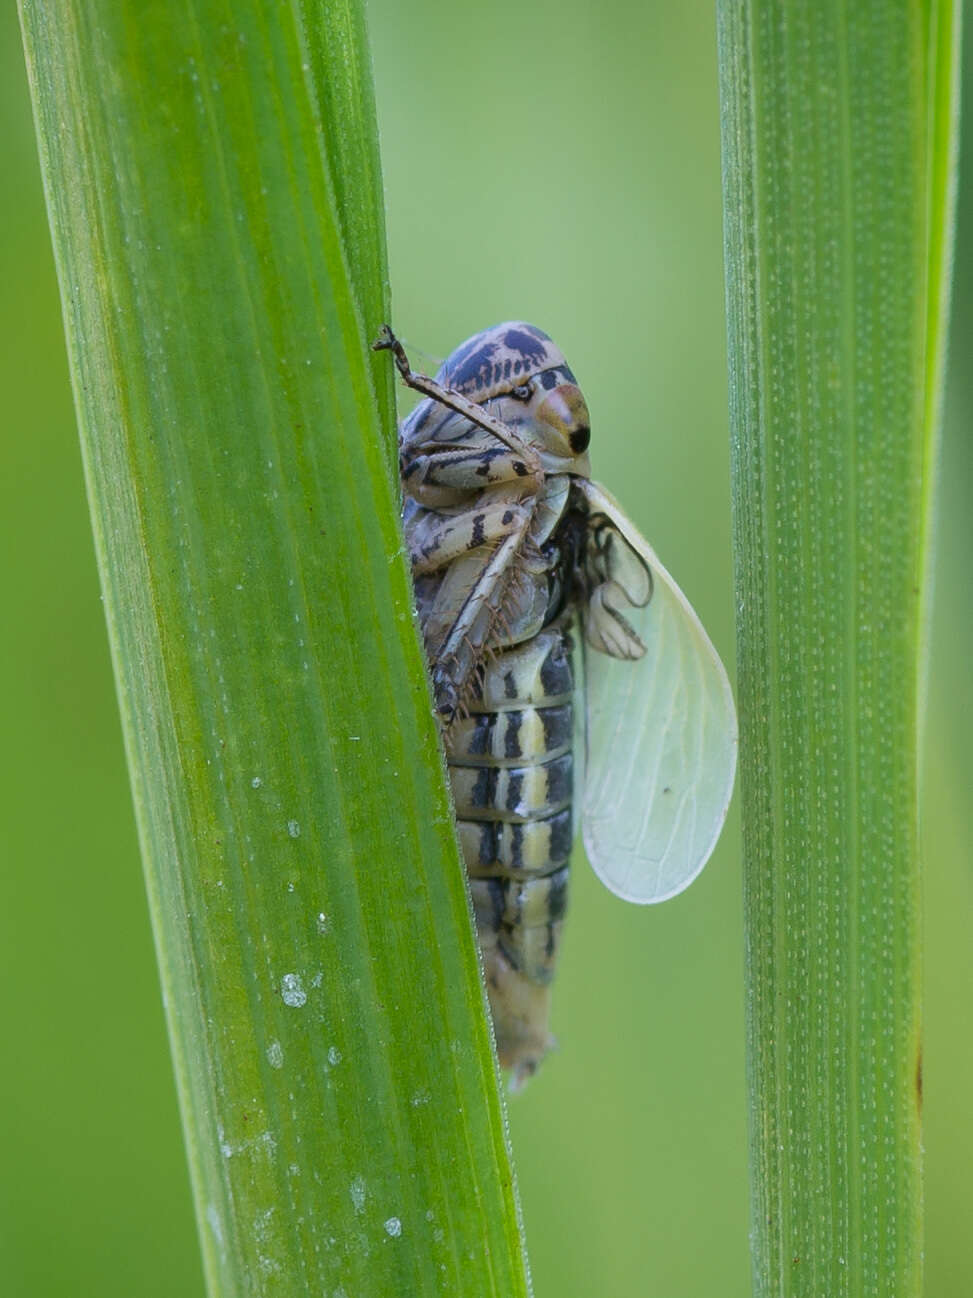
[226, 1149]
[275, 1055]
[292, 990]
[294, 829]
[256, 782]
[393, 1227]
[334, 1056]
[357, 1192]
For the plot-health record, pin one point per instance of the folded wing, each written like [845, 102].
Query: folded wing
[662, 733]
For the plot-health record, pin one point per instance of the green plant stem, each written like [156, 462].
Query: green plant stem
[838, 149]
[215, 201]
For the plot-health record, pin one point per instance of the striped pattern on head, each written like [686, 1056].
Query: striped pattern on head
[496, 360]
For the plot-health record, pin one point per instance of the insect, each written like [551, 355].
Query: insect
[556, 640]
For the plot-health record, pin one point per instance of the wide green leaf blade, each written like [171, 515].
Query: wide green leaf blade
[838, 144]
[215, 201]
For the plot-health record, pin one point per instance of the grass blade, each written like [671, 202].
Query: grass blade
[215, 201]
[838, 149]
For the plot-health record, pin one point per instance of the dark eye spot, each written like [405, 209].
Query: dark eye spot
[522, 392]
[579, 440]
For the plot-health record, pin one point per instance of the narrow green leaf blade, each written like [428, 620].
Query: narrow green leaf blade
[838, 149]
[215, 200]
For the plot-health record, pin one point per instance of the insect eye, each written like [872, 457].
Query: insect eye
[522, 392]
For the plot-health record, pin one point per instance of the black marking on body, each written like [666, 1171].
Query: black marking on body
[509, 685]
[559, 779]
[508, 516]
[548, 379]
[520, 468]
[488, 842]
[486, 456]
[447, 423]
[515, 790]
[480, 738]
[479, 536]
[562, 836]
[564, 551]
[555, 595]
[519, 341]
[484, 791]
[444, 691]
[474, 369]
[558, 724]
[498, 900]
[421, 415]
[517, 846]
[506, 932]
[511, 738]
[557, 898]
[580, 439]
[556, 672]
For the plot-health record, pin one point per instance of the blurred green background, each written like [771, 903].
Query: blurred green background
[561, 164]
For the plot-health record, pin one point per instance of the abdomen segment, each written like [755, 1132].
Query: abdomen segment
[511, 767]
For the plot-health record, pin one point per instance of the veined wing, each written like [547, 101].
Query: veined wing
[662, 734]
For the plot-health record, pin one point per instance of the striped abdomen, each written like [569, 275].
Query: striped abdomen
[511, 769]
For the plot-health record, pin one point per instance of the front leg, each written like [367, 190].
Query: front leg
[436, 539]
[433, 477]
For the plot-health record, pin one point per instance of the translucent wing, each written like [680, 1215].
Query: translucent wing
[662, 735]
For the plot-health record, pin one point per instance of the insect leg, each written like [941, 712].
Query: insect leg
[436, 539]
[453, 400]
[469, 470]
[456, 634]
